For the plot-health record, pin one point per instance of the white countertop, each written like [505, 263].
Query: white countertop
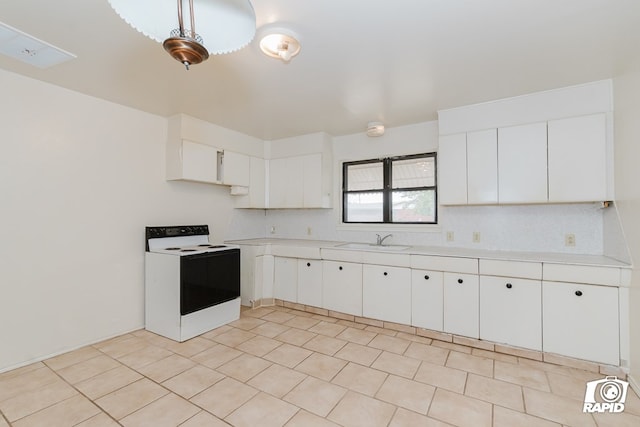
[557, 258]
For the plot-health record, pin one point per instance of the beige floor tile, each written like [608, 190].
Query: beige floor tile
[350, 324]
[121, 346]
[381, 331]
[404, 418]
[503, 417]
[406, 393]
[69, 412]
[357, 336]
[278, 316]
[257, 312]
[571, 387]
[325, 345]
[166, 368]
[204, 419]
[73, 357]
[270, 329]
[217, 331]
[358, 353]
[88, 368]
[450, 346]
[259, 346]
[288, 355]
[144, 356]
[32, 401]
[395, 364]
[414, 338]
[623, 419]
[441, 376]
[556, 408]
[521, 375]
[360, 378]
[302, 322]
[470, 363]
[24, 381]
[307, 419]
[493, 355]
[234, 337]
[356, 410]
[316, 396]
[4, 376]
[562, 370]
[247, 323]
[216, 356]
[193, 381]
[100, 420]
[107, 382]
[460, 410]
[295, 336]
[224, 397]
[263, 410]
[3, 423]
[321, 366]
[244, 367]
[328, 329]
[495, 391]
[391, 344]
[632, 403]
[191, 347]
[129, 399]
[277, 380]
[428, 353]
[168, 411]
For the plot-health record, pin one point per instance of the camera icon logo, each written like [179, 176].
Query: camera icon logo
[605, 395]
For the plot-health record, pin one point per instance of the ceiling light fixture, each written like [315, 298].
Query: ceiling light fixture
[375, 129]
[224, 26]
[281, 44]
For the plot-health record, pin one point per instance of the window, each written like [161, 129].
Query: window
[398, 190]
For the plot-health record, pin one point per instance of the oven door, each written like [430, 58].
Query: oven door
[209, 279]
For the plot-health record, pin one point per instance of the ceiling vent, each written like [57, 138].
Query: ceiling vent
[375, 129]
[18, 45]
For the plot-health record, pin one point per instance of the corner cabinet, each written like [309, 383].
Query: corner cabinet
[300, 182]
[193, 161]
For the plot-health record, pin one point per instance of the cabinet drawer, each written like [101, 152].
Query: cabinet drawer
[386, 258]
[442, 263]
[526, 270]
[341, 255]
[609, 276]
[295, 251]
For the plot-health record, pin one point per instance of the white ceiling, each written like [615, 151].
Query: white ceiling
[397, 61]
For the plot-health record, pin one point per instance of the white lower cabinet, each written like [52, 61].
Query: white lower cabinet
[285, 278]
[426, 299]
[310, 282]
[342, 287]
[461, 304]
[581, 321]
[511, 311]
[386, 293]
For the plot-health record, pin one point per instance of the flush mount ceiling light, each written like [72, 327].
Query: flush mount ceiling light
[375, 129]
[224, 26]
[281, 44]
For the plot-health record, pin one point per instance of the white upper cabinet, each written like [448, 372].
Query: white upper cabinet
[522, 164]
[236, 169]
[482, 167]
[577, 159]
[192, 161]
[452, 169]
[299, 182]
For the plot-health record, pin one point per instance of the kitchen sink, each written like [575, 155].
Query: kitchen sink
[373, 247]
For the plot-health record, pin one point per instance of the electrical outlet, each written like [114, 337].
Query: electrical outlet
[273, 229]
[449, 236]
[570, 239]
[476, 237]
[309, 231]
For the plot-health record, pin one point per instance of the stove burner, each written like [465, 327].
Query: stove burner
[187, 250]
[172, 249]
[217, 246]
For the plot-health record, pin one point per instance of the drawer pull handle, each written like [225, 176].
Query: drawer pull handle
[460, 280]
[579, 293]
[385, 273]
[308, 264]
[426, 277]
[340, 268]
[509, 286]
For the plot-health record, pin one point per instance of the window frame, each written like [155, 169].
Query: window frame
[387, 189]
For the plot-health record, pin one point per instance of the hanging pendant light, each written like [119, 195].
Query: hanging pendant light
[224, 26]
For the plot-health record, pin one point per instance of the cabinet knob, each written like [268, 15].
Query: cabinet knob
[509, 286]
[426, 277]
[385, 273]
[308, 264]
[460, 280]
[578, 293]
[340, 268]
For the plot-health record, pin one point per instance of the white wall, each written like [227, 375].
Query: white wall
[80, 178]
[627, 154]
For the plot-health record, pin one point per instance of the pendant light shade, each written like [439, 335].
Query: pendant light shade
[221, 26]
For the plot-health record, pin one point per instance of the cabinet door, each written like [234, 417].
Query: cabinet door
[482, 167]
[581, 321]
[310, 282]
[427, 299]
[511, 311]
[257, 183]
[286, 186]
[461, 304]
[577, 159]
[199, 162]
[311, 180]
[386, 293]
[452, 169]
[522, 164]
[236, 169]
[342, 287]
[285, 278]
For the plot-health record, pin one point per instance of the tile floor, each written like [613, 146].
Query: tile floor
[281, 367]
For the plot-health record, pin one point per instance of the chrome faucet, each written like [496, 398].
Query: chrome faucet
[380, 240]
